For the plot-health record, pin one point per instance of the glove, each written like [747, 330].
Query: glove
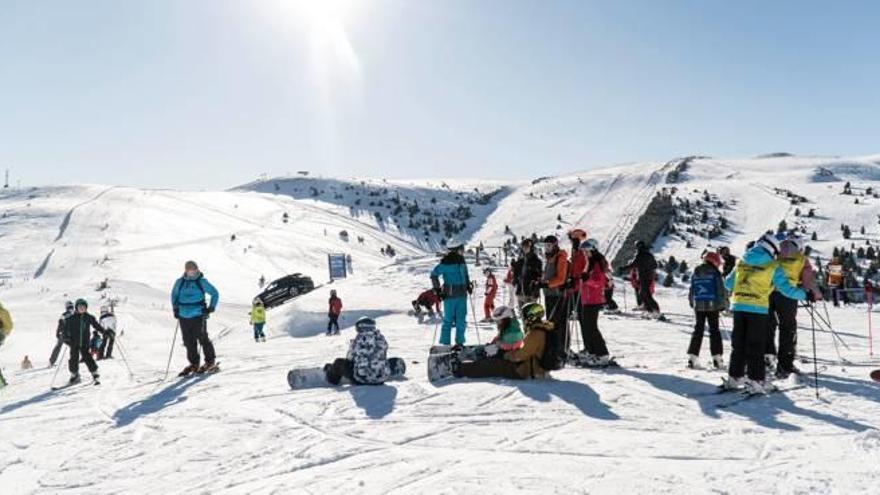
[438, 293]
[176, 313]
[491, 350]
[585, 276]
[543, 285]
[470, 288]
[811, 297]
[569, 284]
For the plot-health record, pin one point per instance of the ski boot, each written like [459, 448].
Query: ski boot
[74, 379]
[2, 380]
[208, 368]
[754, 387]
[694, 362]
[729, 383]
[770, 362]
[189, 370]
[96, 378]
[718, 362]
[263, 338]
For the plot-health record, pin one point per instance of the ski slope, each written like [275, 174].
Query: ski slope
[651, 426]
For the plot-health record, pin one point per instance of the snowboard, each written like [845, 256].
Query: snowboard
[875, 375]
[578, 361]
[441, 365]
[466, 353]
[316, 377]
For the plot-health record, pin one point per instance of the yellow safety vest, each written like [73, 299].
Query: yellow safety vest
[753, 284]
[258, 314]
[793, 268]
[5, 323]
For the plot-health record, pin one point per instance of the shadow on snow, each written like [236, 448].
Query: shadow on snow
[171, 395]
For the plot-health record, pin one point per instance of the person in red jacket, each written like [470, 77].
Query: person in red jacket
[591, 289]
[428, 300]
[491, 291]
[333, 314]
[578, 260]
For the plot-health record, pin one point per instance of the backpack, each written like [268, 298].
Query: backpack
[705, 288]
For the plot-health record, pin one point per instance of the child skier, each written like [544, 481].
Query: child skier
[76, 335]
[366, 362]
[510, 335]
[335, 309]
[489, 295]
[59, 332]
[707, 297]
[755, 277]
[428, 300]
[258, 320]
[108, 323]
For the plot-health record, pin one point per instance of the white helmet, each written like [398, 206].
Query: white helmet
[797, 240]
[502, 313]
[105, 310]
[770, 242]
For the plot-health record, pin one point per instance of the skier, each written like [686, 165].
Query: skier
[591, 299]
[527, 271]
[835, 280]
[333, 312]
[108, 323]
[489, 294]
[59, 332]
[707, 297]
[556, 301]
[510, 334]
[755, 277]
[258, 320]
[511, 288]
[634, 283]
[521, 364]
[192, 310]
[428, 300]
[728, 259]
[783, 311]
[5, 330]
[646, 266]
[76, 336]
[454, 292]
[366, 362]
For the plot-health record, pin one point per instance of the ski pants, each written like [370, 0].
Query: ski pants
[489, 368]
[594, 343]
[715, 344]
[749, 340]
[333, 323]
[558, 311]
[489, 306]
[646, 296]
[258, 331]
[783, 313]
[195, 332]
[56, 351]
[106, 349]
[77, 352]
[610, 303]
[454, 313]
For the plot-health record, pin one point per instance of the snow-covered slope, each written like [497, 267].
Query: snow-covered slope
[651, 426]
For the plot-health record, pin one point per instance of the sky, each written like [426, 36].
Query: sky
[210, 94]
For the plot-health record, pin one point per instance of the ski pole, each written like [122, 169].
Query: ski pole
[124, 360]
[58, 368]
[870, 331]
[624, 296]
[815, 359]
[171, 352]
[474, 313]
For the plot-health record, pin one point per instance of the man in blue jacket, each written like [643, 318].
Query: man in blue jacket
[454, 292]
[755, 277]
[192, 310]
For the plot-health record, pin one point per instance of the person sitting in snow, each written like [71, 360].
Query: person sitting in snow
[366, 362]
[510, 335]
[520, 364]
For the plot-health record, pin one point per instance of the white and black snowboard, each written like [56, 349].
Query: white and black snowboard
[316, 377]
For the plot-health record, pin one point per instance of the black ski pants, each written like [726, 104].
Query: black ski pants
[195, 333]
[489, 368]
[749, 340]
[594, 343]
[783, 314]
[557, 309]
[77, 352]
[333, 323]
[715, 344]
[646, 296]
[106, 350]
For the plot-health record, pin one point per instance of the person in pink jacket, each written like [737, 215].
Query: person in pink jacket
[591, 291]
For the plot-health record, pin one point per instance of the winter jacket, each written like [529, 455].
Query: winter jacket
[335, 306]
[527, 272]
[429, 298]
[644, 263]
[576, 269]
[529, 355]
[59, 330]
[188, 297]
[78, 329]
[756, 276]
[491, 287]
[592, 290]
[5, 323]
[258, 314]
[707, 292]
[555, 272]
[368, 355]
[511, 337]
[729, 264]
[800, 273]
[453, 270]
[108, 323]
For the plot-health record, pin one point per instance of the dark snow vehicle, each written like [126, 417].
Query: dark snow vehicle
[285, 289]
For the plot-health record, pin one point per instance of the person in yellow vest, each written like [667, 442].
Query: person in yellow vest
[835, 279]
[755, 277]
[258, 320]
[783, 311]
[5, 330]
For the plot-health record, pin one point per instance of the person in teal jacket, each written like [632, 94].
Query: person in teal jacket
[191, 309]
[454, 292]
[750, 284]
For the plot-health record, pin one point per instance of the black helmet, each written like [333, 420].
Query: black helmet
[82, 302]
[532, 312]
[365, 323]
[551, 239]
[640, 244]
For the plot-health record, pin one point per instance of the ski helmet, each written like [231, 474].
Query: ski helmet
[797, 241]
[333, 292]
[590, 244]
[365, 323]
[502, 313]
[105, 310]
[770, 243]
[713, 258]
[258, 302]
[190, 265]
[577, 234]
[532, 312]
[82, 302]
[640, 244]
[551, 239]
[69, 305]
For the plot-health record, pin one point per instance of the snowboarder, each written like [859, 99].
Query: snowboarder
[5, 330]
[728, 259]
[527, 271]
[192, 310]
[108, 323]
[258, 320]
[783, 310]
[59, 332]
[428, 300]
[591, 299]
[366, 362]
[646, 267]
[454, 292]
[76, 335]
[755, 277]
[707, 297]
[556, 301]
[489, 294]
[521, 364]
[333, 312]
[510, 334]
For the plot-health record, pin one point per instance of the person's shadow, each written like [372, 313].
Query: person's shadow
[377, 401]
[171, 395]
[577, 394]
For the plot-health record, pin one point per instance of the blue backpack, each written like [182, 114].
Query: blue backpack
[705, 288]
